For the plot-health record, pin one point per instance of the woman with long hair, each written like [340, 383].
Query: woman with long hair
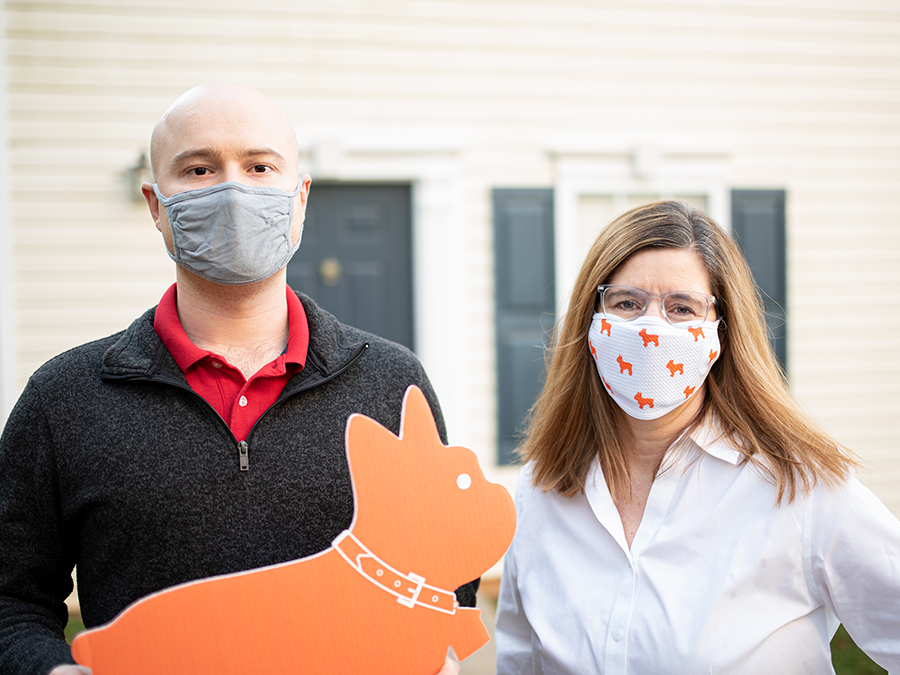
[678, 512]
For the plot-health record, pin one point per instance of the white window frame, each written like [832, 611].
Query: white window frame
[615, 170]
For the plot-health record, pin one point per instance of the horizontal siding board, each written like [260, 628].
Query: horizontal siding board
[615, 64]
[584, 88]
[751, 54]
[45, 290]
[655, 31]
[875, 10]
[430, 14]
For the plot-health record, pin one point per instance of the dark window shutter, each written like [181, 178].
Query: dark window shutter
[758, 224]
[525, 304]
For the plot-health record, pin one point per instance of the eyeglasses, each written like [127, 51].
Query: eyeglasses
[685, 309]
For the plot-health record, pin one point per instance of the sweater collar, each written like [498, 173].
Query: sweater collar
[138, 353]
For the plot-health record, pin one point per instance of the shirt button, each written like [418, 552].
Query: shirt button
[216, 364]
[243, 401]
[617, 635]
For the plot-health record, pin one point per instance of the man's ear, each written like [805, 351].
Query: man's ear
[305, 183]
[152, 203]
[300, 214]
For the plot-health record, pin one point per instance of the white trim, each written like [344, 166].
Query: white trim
[619, 170]
[7, 314]
[432, 164]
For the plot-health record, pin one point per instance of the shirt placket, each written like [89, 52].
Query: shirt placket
[615, 655]
[241, 407]
[615, 652]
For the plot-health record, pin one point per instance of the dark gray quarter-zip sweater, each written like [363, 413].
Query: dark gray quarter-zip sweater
[110, 461]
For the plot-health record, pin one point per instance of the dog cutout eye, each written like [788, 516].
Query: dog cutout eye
[463, 481]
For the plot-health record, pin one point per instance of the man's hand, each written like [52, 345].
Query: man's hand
[451, 667]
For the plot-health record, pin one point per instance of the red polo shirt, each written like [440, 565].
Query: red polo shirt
[240, 402]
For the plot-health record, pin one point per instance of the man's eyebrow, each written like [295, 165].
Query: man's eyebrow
[204, 153]
[264, 152]
[192, 154]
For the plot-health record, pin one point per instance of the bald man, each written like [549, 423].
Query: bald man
[208, 437]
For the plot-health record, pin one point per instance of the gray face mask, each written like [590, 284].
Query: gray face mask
[231, 233]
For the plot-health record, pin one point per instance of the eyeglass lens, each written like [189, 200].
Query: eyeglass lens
[627, 303]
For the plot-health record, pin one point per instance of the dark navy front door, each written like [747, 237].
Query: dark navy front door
[355, 258]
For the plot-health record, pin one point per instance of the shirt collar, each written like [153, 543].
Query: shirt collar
[186, 353]
[710, 438]
[298, 327]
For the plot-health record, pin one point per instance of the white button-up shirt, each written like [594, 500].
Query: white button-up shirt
[718, 579]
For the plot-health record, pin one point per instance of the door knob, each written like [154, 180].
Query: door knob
[330, 271]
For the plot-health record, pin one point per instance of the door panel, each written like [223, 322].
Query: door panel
[355, 259]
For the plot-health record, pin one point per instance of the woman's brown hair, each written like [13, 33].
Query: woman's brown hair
[573, 422]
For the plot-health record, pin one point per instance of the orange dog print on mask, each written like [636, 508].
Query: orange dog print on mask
[688, 391]
[607, 384]
[624, 365]
[605, 326]
[712, 355]
[696, 332]
[648, 338]
[643, 401]
[675, 367]
[593, 351]
[381, 597]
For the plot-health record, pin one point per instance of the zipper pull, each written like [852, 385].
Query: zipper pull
[243, 453]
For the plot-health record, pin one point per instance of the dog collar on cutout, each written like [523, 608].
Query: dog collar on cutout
[409, 589]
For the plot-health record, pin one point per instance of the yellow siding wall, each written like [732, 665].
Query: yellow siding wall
[793, 94]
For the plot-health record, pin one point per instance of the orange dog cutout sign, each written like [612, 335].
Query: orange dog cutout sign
[380, 599]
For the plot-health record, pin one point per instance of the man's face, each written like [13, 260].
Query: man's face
[227, 134]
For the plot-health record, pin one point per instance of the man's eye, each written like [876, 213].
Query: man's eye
[260, 168]
[199, 171]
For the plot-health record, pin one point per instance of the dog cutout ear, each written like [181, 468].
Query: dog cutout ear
[417, 425]
[417, 428]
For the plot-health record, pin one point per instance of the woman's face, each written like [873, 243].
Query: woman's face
[663, 270]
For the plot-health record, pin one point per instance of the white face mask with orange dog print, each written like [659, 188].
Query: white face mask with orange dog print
[649, 366]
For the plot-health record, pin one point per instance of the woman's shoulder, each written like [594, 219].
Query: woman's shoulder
[531, 498]
[847, 500]
[526, 491]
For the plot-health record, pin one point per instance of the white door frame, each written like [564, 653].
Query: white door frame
[433, 166]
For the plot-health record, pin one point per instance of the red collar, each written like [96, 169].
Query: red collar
[168, 326]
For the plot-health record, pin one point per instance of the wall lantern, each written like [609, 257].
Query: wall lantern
[137, 175]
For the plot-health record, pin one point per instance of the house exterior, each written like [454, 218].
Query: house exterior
[513, 131]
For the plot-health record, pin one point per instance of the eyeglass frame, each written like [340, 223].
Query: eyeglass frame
[601, 292]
